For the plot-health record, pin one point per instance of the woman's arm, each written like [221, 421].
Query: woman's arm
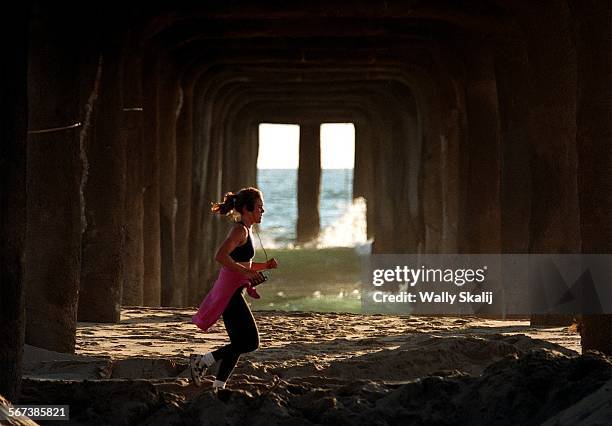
[236, 237]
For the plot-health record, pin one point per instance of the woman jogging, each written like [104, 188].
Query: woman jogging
[238, 271]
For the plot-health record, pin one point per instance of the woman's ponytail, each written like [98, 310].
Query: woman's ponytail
[226, 206]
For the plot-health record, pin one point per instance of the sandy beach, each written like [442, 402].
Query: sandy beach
[307, 342]
[321, 368]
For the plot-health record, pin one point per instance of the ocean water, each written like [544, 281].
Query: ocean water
[342, 219]
[324, 275]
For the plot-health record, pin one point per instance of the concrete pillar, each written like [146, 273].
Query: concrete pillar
[482, 226]
[213, 227]
[206, 187]
[56, 163]
[252, 136]
[184, 163]
[386, 193]
[241, 152]
[198, 178]
[103, 248]
[234, 154]
[374, 208]
[403, 165]
[168, 104]
[398, 214]
[479, 227]
[449, 170]
[363, 174]
[433, 178]
[151, 229]
[13, 126]
[434, 168]
[132, 133]
[513, 88]
[594, 141]
[439, 115]
[554, 220]
[221, 182]
[309, 182]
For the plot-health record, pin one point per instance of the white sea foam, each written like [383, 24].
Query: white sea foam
[349, 230]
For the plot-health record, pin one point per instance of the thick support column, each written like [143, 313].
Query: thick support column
[240, 152]
[439, 114]
[213, 227]
[405, 167]
[132, 133]
[206, 186]
[433, 176]
[363, 174]
[201, 149]
[168, 103]
[237, 157]
[13, 126]
[435, 170]
[104, 193]
[151, 231]
[554, 222]
[449, 180]
[594, 141]
[309, 183]
[216, 226]
[252, 136]
[513, 86]
[386, 193]
[398, 171]
[482, 226]
[184, 162]
[56, 163]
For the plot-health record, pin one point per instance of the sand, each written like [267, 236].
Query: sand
[324, 368]
[292, 339]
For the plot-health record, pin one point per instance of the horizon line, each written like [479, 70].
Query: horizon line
[295, 168]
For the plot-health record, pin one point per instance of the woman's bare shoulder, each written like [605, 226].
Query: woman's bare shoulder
[238, 232]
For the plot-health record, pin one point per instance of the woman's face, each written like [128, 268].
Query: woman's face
[257, 212]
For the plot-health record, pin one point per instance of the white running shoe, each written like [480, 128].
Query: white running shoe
[196, 370]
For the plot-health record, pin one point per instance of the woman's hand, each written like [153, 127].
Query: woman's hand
[251, 274]
[272, 264]
[255, 277]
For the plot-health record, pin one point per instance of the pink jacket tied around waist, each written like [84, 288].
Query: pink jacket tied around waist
[216, 300]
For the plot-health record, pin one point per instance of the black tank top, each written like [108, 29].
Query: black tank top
[245, 252]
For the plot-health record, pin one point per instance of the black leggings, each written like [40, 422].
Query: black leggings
[243, 334]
